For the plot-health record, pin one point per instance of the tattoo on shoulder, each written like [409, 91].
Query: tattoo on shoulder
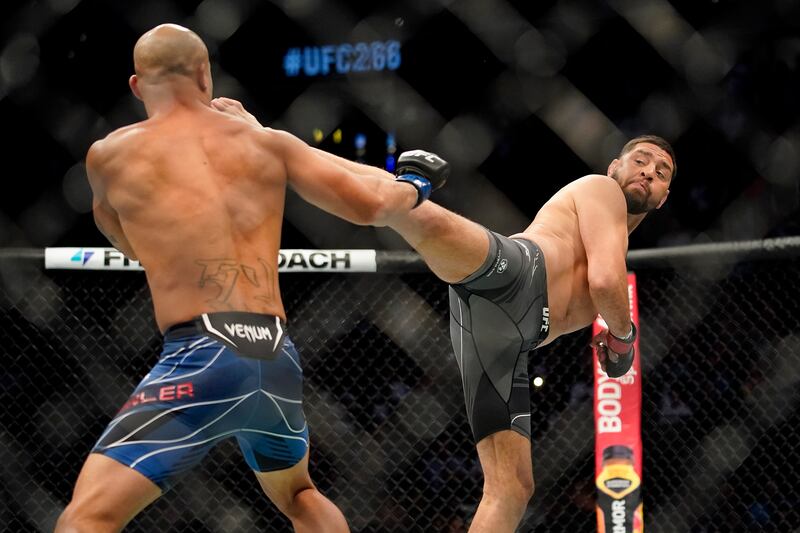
[223, 275]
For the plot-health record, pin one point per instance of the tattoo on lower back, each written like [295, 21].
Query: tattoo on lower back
[224, 274]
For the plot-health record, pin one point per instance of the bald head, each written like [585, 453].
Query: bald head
[167, 50]
[171, 64]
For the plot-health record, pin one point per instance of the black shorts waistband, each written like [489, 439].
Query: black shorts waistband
[250, 334]
[513, 277]
[184, 329]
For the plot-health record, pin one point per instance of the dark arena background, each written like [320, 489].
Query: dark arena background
[521, 97]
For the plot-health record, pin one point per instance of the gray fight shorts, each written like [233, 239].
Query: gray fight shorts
[497, 315]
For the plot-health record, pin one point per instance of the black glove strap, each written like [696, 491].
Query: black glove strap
[621, 366]
[421, 183]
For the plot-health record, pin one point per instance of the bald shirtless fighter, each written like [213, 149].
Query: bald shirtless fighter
[510, 295]
[198, 197]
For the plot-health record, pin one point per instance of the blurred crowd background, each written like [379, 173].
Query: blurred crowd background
[521, 97]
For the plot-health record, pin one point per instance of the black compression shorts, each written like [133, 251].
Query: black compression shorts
[497, 315]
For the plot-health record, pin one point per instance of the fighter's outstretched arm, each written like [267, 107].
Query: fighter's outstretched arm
[367, 197]
[452, 246]
[359, 193]
[234, 107]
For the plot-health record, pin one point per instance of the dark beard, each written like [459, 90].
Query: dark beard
[636, 205]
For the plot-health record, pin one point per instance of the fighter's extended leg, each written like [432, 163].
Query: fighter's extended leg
[107, 496]
[452, 246]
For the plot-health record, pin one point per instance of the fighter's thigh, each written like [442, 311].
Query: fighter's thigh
[281, 486]
[452, 246]
[109, 492]
[486, 346]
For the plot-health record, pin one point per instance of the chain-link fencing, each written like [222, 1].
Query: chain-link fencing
[390, 442]
[521, 97]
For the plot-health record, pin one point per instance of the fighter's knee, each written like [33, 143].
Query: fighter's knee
[530, 488]
[524, 487]
[293, 505]
[69, 521]
[517, 489]
[78, 519]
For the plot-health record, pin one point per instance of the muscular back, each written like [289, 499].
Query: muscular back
[198, 198]
[557, 229]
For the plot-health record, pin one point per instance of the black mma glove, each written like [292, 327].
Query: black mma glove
[426, 171]
[615, 353]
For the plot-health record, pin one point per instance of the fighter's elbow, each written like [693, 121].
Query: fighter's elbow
[366, 211]
[378, 205]
[377, 211]
[604, 280]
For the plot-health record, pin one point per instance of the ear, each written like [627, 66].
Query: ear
[133, 82]
[203, 78]
[200, 78]
[613, 166]
[662, 200]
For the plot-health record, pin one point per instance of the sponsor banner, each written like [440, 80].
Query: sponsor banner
[618, 439]
[88, 259]
[288, 260]
[326, 261]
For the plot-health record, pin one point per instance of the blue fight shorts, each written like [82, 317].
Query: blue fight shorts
[221, 375]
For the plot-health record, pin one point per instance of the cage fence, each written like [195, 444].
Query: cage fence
[389, 439]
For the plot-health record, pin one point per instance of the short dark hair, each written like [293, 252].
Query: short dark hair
[656, 140]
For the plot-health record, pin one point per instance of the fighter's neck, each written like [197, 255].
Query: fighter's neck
[166, 101]
[634, 221]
